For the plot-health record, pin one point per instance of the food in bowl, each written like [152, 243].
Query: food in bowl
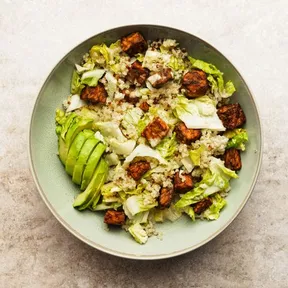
[149, 134]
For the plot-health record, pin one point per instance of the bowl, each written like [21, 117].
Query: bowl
[58, 191]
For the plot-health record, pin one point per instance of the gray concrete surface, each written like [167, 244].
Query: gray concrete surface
[36, 251]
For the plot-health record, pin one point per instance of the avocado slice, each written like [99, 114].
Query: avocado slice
[67, 124]
[92, 192]
[75, 150]
[91, 165]
[76, 126]
[83, 157]
[61, 140]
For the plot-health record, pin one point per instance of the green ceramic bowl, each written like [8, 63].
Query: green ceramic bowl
[56, 187]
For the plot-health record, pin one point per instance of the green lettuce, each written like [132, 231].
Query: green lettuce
[100, 54]
[167, 146]
[138, 203]
[112, 84]
[190, 212]
[76, 84]
[110, 194]
[140, 57]
[176, 63]
[110, 130]
[215, 179]
[91, 78]
[144, 151]
[213, 212]
[237, 138]
[215, 77]
[131, 117]
[172, 214]
[138, 233]
[195, 155]
[199, 113]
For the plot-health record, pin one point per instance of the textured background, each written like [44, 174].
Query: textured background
[36, 251]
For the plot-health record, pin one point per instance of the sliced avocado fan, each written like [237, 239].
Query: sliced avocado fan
[83, 157]
[75, 149]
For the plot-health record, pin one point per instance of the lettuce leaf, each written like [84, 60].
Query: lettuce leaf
[215, 77]
[215, 179]
[199, 113]
[91, 78]
[237, 138]
[167, 146]
[136, 204]
[195, 155]
[190, 212]
[131, 117]
[138, 233]
[100, 54]
[75, 103]
[144, 151]
[76, 84]
[112, 84]
[213, 212]
[176, 63]
[110, 130]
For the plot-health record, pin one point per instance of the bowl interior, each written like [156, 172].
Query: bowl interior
[58, 190]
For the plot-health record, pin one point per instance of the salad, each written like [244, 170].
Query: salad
[149, 135]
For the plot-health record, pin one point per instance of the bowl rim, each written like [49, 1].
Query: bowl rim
[115, 252]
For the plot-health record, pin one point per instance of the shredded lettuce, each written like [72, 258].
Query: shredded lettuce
[195, 155]
[172, 213]
[215, 77]
[112, 84]
[190, 212]
[215, 179]
[86, 67]
[99, 54]
[91, 78]
[140, 57]
[167, 146]
[176, 63]
[188, 164]
[122, 148]
[144, 151]
[112, 159]
[138, 203]
[138, 233]
[199, 113]
[213, 212]
[75, 103]
[110, 130]
[109, 192]
[131, 117]
[76, 84]
[237, 138]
